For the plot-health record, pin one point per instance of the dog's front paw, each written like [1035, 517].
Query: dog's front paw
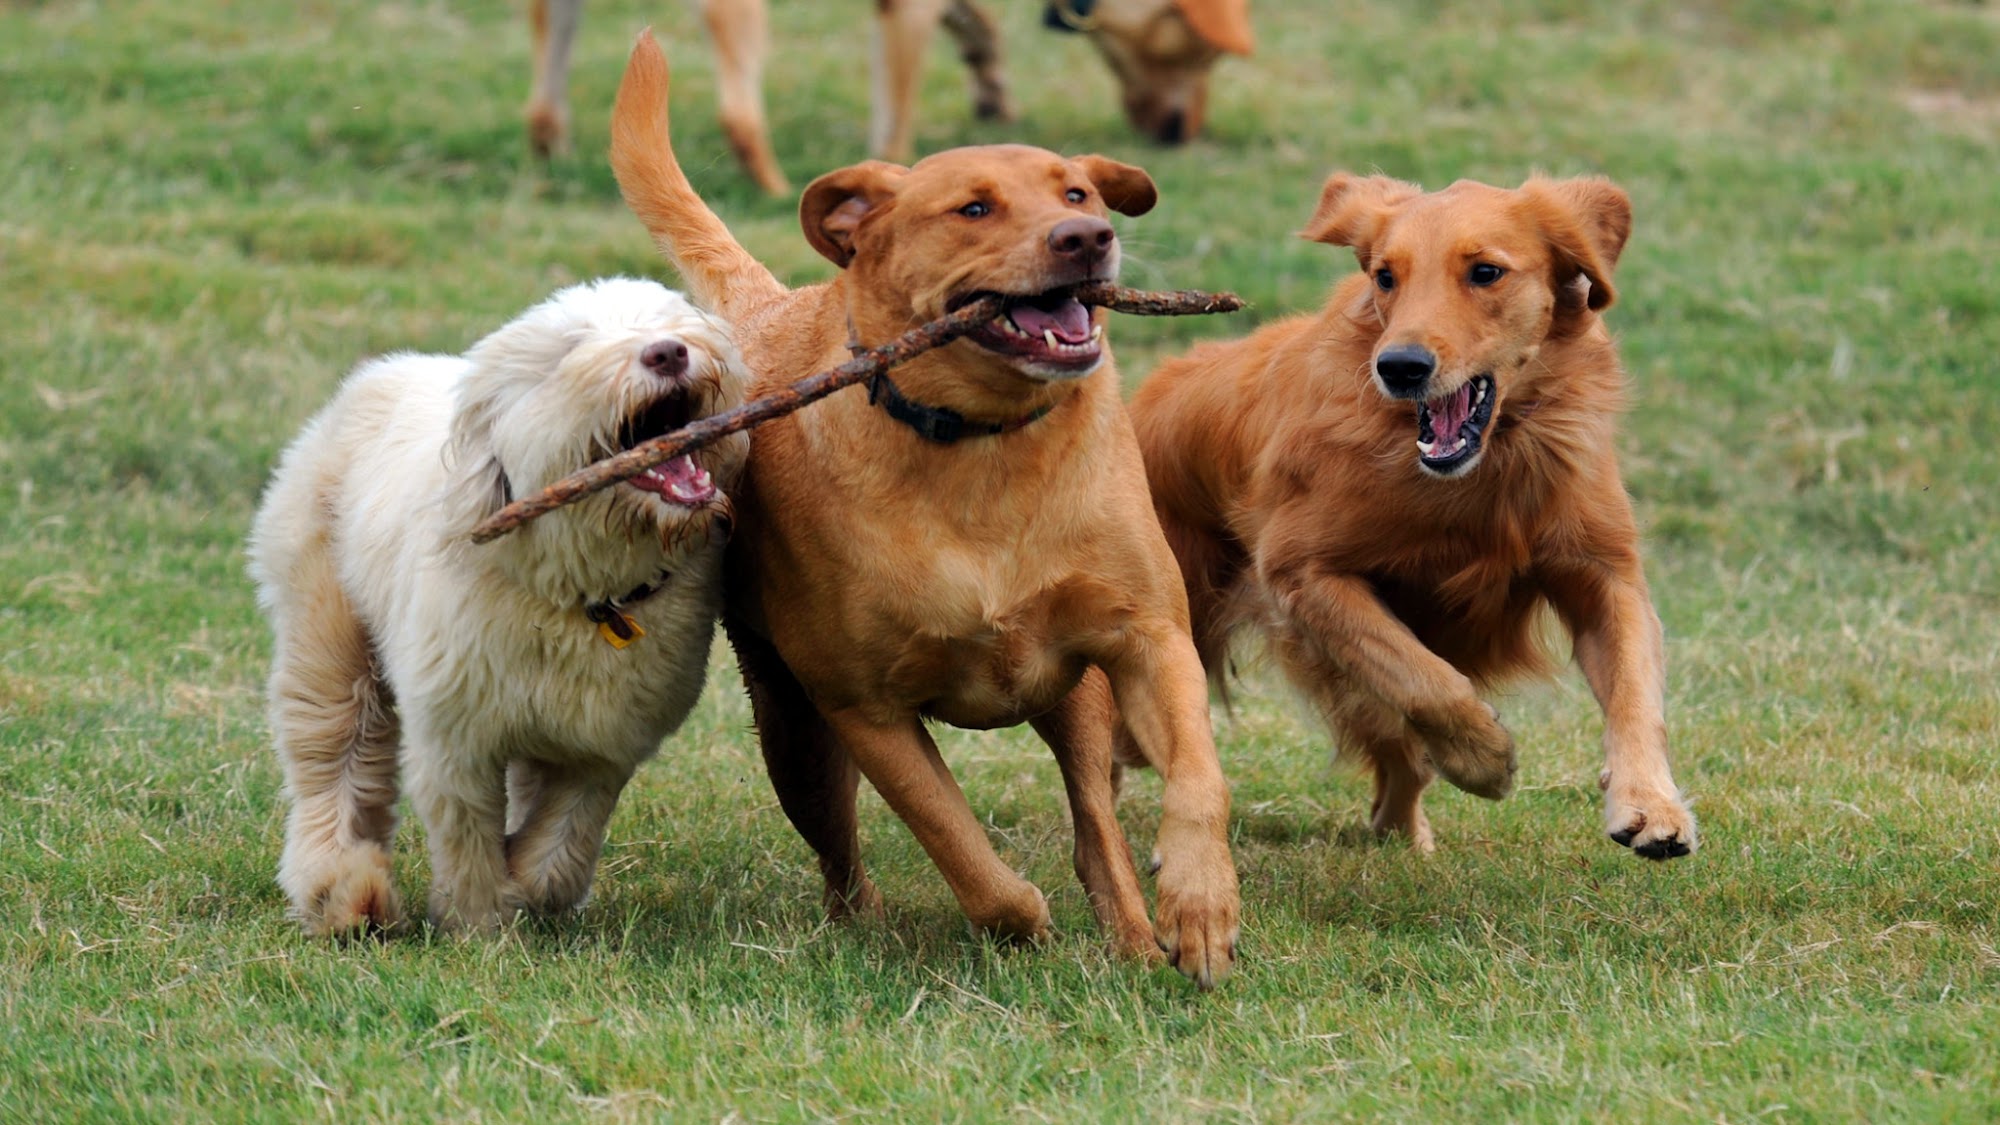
[470, 914]
[1655, 825]
[1199, 919]
[1471, 749]
[352, 894]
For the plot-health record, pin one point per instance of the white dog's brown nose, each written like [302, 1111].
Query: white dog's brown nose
[667, 358]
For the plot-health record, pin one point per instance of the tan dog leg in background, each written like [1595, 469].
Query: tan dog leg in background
[979, 49]
[553, 23]
[742, 33]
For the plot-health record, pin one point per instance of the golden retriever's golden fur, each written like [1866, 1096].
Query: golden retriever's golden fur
[1395, 488]
[879, 578]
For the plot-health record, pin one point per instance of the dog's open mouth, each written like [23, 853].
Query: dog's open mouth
[679, 481]
[1451, 427]
[1052, 329]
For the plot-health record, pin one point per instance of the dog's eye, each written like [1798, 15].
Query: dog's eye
[1075, 195]
[1485, 274]
[976, 210]
[1384, 280]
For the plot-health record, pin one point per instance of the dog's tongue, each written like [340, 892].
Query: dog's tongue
[679, 480]
[1450, 412]
[1067, 318]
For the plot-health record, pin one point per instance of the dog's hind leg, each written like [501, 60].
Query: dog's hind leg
[553, 25]
[979, 48]
[335, 730]
[811, 771]
[556, 822]
[1080, 730]
[1402, 770]
[740, 29]
[903, 28]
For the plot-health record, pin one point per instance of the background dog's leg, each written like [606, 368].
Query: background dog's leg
[1341, 614]
[461, 796]
[741, 30]
[553, 23]
[811, 771]
[979, 48]
[335, 730]
[1610, 615]
[1163, 698]
[902, 30]
[556, 818]
[902, 762]
[1080, 731]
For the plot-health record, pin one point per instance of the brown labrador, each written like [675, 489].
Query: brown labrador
[970, 541]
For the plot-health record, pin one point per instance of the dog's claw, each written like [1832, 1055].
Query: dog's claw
[1655, 827]
[1198, 921]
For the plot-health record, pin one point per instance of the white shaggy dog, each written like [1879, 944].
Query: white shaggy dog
[529, 676]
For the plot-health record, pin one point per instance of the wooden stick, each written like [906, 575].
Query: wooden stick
[876, 360]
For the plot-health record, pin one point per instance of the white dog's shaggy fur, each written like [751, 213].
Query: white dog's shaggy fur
[519, 720]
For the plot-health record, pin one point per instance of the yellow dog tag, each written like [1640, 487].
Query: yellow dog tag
[614, 625]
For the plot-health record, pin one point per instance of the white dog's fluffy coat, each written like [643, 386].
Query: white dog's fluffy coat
[519, 721]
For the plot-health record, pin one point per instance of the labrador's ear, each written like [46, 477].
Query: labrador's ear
[834, 205]
[1222, 24]
[1586, 221]
[1126, 189]
[1352, 210]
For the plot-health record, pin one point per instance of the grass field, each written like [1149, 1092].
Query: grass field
[211, 211]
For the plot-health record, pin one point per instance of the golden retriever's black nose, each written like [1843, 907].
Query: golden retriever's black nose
[1085, 238]
[666, 358]
[1405, 368]
[1173, 129]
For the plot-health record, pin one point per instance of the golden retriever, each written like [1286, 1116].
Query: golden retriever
[1395, 488]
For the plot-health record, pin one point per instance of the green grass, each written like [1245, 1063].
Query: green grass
[210, 212]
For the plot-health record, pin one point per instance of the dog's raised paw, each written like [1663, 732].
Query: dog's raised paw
[1658, 827]
[1473, 751]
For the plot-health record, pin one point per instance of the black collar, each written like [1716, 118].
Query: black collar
[609, 612]
[939, 424]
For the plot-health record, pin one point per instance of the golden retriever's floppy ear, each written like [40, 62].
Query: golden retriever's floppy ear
[1126, 189]
[834, 205]
[1353, 208]
[1586, 221]
[1222, 24]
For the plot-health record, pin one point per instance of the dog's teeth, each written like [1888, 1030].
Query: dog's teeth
[1049, 338]
[1097, 332]
[1426, 447]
